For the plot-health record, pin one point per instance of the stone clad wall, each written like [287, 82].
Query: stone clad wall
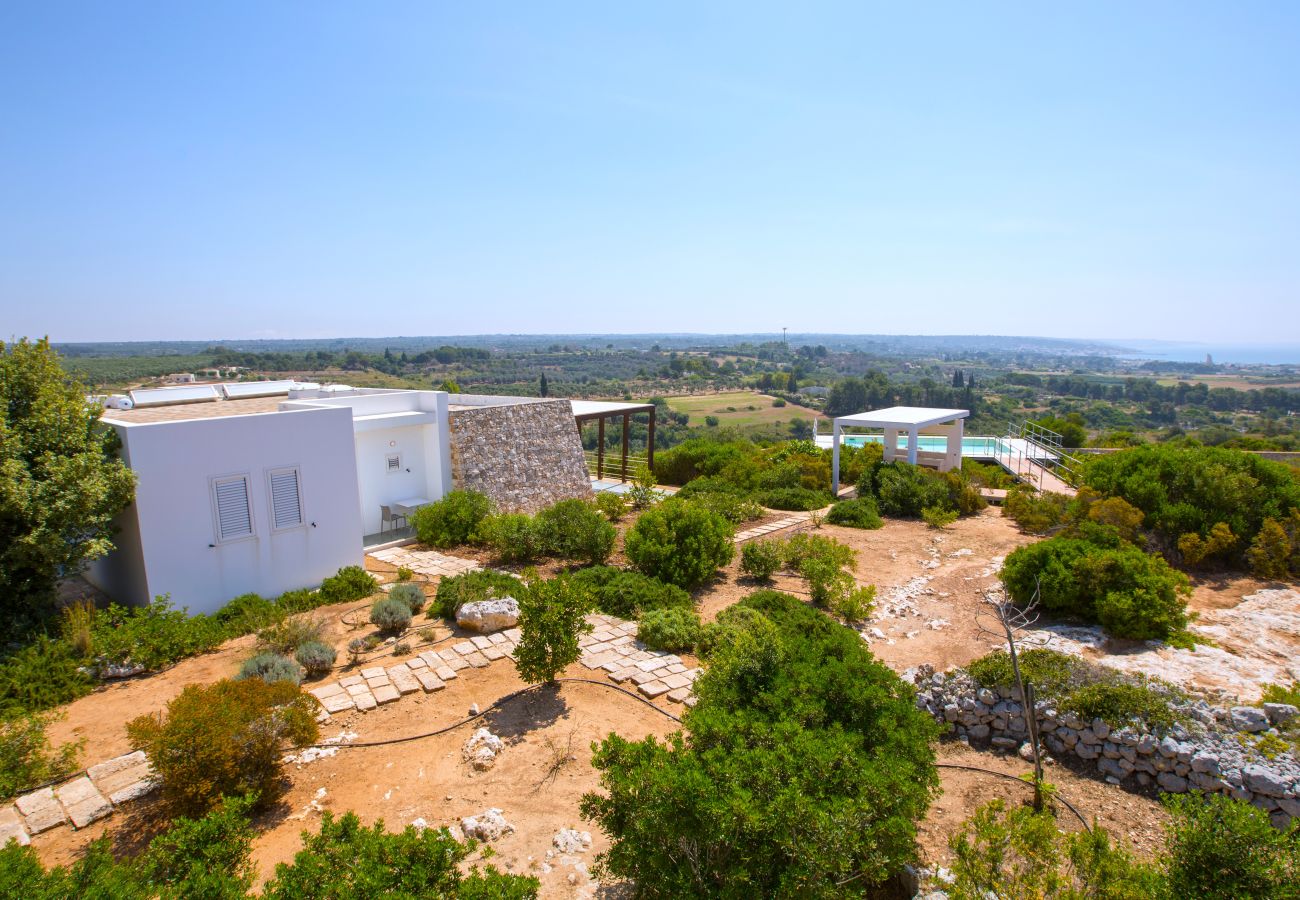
[524, 456]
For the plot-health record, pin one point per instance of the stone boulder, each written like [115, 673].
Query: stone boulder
[1249, 719]
[1280, 713]
[485, 616]
[487, 826]
[569, 840]
[481, 750]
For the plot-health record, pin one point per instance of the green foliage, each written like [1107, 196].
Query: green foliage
[1277, 693]
[390, 614]
[902, 490]
[575, 530]
[1270, 552]
[152, 636]
[26, 758]
[854, 605]
[512, 537]
[673, 628]
[471, 587]
[1119, 514]
[1035, 512]
[1186, 489]
[1051, 672]
[224, 739]
[1224, 849]
[1120, 703]
[316, 657]
[409, 593]
[680, 543]
[271, 667]
[1196, 549]
[452, 520]
[761, 559]
[288, 635]
[301, 600]
[735, 508]
[551, 617]
[628, 595]
[937, 517]
[642, 493]
[347, 861]
[41, 676]
[793, 498]
[612, 506]
[857, 513]
[1101, 579]
[404, 573]
[798, 730]
[247, 612]
[207, 858]
[348, 584]
[62, 481]
[1020, 853]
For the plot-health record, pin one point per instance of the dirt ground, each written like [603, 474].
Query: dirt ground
[929, 584]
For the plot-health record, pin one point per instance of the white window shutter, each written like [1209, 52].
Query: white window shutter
[234, 518]
[286, 502]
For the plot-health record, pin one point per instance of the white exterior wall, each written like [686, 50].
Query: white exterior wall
[173, 507]
[419, 475]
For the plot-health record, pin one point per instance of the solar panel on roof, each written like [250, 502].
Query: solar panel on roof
[199, 393]
[255, 389]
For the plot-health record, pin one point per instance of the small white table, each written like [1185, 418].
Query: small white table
[409, 505]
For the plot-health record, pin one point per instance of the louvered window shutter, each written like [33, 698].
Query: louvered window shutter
[286, 503]
[234, 518]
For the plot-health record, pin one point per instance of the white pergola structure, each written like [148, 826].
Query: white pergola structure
[914, 420]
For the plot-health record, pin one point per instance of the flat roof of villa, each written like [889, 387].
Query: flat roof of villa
[906, 416]
[183, 412]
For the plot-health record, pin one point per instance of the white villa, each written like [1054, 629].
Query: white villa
[270, 486]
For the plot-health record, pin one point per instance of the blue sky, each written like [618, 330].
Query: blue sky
[294, 169]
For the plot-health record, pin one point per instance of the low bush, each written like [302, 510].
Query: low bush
[859, 513]
[300, 600]
[452, 520]
[574, 530]
[409, 593]
[471, 587]
[937, 517]
[1051, 672]
[902, 490]
[672, 629]
[761, 559]
[26, 758]
[247, 612]
[1196, 549]
[552, 614]
[1270, 552]
[270, 667]
[612, 506]
[358, 647]
[345, 859]
[1099, 578]
[1120, 703]
[348, 584]
[793, 498]
[512, 537]
[316, 657]
[390, 614]
[854, 605]
[801, 548]
[225, 739]
[405, 573]
[288, 635]
[41, 676]
[680, 543]
[152, 636]
[735, 508]
[628, 595]
[1035, 512]
[1223, 849]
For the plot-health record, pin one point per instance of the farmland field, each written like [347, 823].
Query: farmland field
[1236, 382]
[738, 408]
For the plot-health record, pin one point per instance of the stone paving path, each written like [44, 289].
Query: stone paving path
[81, 801]
[426, 562]
[612, 647]
[761, 530]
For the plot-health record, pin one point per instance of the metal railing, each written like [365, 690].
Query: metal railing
[1030, 450]
[612, 467]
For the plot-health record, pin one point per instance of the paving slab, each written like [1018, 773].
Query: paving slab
[653, 689]
[429, 681]
[493, 653]
[405, 682]
[373, 672]
[432, 658]
[477, 660]
[642, 677]
[366, 701]
[358, 690]
[679, 695]
[446, 673]
[117, 764]
[465, 648]
[676, 681]
[386, 694]
[514, 634]
[339, 703]
[376, 683]
[416, 663]
[458, 663]
[134, 791]
[481, 641]
[325, 690]
[11, 828]
[351, 680]
[623, 675]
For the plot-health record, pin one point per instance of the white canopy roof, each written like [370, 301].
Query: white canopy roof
[902, 417]
[603, 407]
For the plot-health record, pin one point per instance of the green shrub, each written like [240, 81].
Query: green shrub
[1277, 693]
[245, 613]
[512, 537]
[739, 624]
[735, 508]
[680, 543]
[297, 601]
[854, 605]
[902, 490]
[41, 676]
[1120, 702]
[628, 595]
[152, 636]
[404, 573]
[271, 667]
[859, 513]
[612, 506]
[793, 498]
[797, 731]
[1101, 579]
[390, 614]
[471, 587]
[1050, 672]
[316, 657]
[801, 548]
[1224, 849]
[345, 859]
[761, 559]
[573, 529]
[1035, 512]
[938, 517]
[409, 593]
[672, 629]
[225, 739]
[26, 758]
[349, 583]
[452, 520]
[1270, 552]
[642, 493]
[551, 617]
[288, 635]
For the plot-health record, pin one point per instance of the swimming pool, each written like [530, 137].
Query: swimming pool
[970, 446]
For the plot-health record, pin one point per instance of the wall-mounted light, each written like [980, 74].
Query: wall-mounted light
[392, 443]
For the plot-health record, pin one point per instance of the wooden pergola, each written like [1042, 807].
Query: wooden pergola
[599, 410]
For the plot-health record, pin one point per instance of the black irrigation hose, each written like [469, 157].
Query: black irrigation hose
[1067, 804]
[483, 712]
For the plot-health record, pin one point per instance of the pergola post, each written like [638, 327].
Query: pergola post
[912, 441]
[650, 441]
[835, 457]
[627, 421]
[600, 449]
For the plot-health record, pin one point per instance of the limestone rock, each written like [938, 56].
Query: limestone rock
[481, 750]
[487, 826]
[1248, 718]
[569, 840]
[1280, 713]
[486, 616]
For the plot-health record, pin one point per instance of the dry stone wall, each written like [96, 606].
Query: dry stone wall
[524, 456]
